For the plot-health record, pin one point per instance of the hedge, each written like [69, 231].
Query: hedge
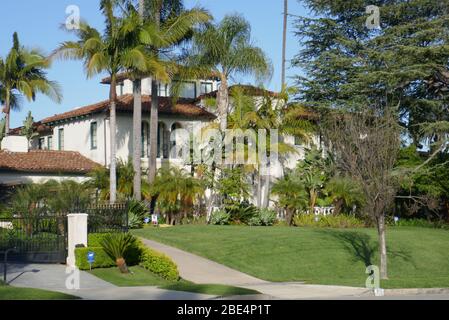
[102, 260]
[159, 264]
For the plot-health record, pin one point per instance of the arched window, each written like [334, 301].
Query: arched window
[162, 146]
[174, 127]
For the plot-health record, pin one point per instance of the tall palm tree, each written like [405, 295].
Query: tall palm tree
[115, 51]
[227, 49]
[22, 73]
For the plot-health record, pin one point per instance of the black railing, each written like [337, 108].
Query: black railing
[107, 218]
[38, 237]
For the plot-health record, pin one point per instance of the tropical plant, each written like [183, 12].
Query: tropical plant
[2, 129]
[28, 128]
[344, 194]
[226, 48]
[175, 192]
[115, 245]
[263, 217]
[220, 217]
[22, 73]
[66, 196]
[137, 211]
[233, 186]
[291, 195]
[117, 50]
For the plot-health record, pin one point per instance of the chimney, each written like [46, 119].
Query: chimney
[15, 144]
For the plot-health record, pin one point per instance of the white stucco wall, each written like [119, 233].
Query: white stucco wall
[10, 178]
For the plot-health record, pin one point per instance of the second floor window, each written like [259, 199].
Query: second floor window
[187, 90]
[61, 139]
[50, 143]
[93, 136]
[206, 87]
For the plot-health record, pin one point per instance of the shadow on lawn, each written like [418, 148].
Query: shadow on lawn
[363, 248]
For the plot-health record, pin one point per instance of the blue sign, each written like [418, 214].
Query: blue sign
[91, 257]
[147, 220]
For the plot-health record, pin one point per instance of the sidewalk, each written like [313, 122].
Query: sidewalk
[203, 271]
[53, 277]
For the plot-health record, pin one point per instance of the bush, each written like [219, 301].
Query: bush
[339, 221]
[102, 260]
[263, 217]
[136, 214]
[220, 217]
[95, 239]
[241, 213]
[422, 223]
[116, 245]
[159, 264]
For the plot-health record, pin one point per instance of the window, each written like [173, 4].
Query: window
[163, 90]
[187, 90]
[41, 143]
[50, 143]
[145, 132]
[298, 141]
[206, 87]
[93, 136]
[61, 139]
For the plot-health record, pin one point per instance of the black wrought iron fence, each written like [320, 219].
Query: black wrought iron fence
[38, 237]
[107, 218]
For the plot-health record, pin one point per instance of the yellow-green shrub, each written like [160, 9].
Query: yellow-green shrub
[339, 221]
[159, 264]
[102, 260]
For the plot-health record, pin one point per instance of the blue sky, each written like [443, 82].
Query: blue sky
[38, 24]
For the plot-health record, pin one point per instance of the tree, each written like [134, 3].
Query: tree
[22, 73]
[366, 147]
[117, 50]
[344, 193]
[28, 128]
[175, 192]
[2, 129]
[399, 67]
[226, 48]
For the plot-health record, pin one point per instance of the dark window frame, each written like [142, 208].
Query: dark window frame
[61, 138]
[94, 135]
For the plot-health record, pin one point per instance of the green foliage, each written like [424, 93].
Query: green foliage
[220, 217]
[2, 128]
[136, 214]
[241, 213]
[233, 186]
[344, 194]
[420, 223]
[28, 127]
[340, 221]
[102, 259]
[263, 217]
[159, 264]
[116, 245]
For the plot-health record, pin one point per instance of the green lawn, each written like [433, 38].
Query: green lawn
[142, 277]
[13, 293]
[418, 257]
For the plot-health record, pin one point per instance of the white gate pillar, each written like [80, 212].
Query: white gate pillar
[77, 234]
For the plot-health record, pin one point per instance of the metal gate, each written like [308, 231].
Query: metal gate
[40, 238]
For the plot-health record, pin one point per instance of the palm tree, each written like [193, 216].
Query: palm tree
[117, 50]
[344, 193]
[227, 49]
[23, 73]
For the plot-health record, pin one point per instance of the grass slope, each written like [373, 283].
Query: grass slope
[418, 257]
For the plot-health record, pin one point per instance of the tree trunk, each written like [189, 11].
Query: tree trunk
[137, 139]
[382, 247]
[113, 133]
[289, 217]
[313, 199]
[121, 264]
[154, 123]
[7, 112]
[222, 103]
[259, 190]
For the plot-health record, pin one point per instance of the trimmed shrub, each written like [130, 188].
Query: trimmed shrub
[102, 260]
[159, 264]
[339, 221]
[264, 217]
[95, 239]
[422, 223]
[220, 217]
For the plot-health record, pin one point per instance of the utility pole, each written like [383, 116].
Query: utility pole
[284, 44]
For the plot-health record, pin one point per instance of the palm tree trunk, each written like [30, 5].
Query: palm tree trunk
[222, 103]
[113, 137]
[7, 112]
[137, 139]
[154, 122]
[259, 189]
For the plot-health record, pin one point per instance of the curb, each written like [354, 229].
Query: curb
[409, 292]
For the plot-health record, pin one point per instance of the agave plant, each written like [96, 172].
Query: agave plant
[115, 245]
[136, 214]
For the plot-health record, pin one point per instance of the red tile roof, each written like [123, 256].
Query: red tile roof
[183, 107]
[46, 162]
